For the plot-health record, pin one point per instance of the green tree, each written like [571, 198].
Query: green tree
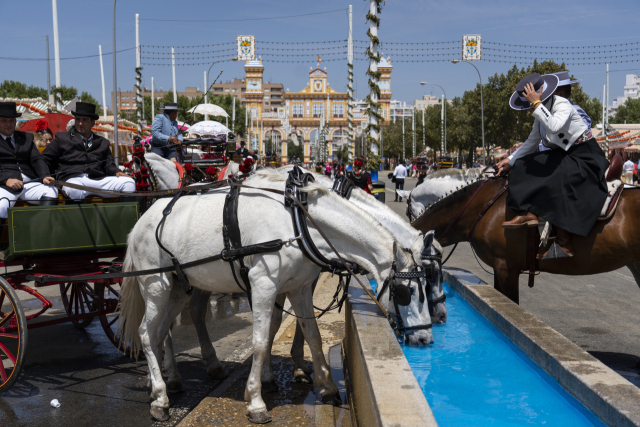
[64, 93]
[293, 150]
[13, 89]
[629, 112]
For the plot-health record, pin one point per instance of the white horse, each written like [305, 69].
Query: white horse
[436, 186]
[150, 303]
[406, 235]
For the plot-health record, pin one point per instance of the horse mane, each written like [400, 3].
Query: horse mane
[470, 174]
[451, 198]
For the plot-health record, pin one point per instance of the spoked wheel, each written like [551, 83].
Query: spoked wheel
[108, 296]
[13, 336]
[78, 298]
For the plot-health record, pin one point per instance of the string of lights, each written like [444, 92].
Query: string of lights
[559, 47]
[561, 52]
[572, 58]
[264, 61]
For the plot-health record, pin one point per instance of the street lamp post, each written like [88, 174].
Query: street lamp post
[115, 92]
[484, 153]
[444, 120]
[206, 81]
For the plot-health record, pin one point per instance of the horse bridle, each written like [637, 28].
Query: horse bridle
[401, 294]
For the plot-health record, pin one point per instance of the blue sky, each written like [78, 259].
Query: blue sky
[86, 24]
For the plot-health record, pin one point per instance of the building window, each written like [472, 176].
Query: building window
[266, 103]
[338, 110]
[298, 110]
[318, 109]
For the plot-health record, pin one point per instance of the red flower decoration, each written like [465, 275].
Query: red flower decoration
[188, 167]
[357, 163]
[246, 166]
[41, 125]
[211, 170]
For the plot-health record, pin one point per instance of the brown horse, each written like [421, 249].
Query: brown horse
[612, 244]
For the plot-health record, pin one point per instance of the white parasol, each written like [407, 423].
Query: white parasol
[208, 127]
[210, 109]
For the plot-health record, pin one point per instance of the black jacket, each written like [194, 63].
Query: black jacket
[25, 159]
[242, 151]
[67, 156]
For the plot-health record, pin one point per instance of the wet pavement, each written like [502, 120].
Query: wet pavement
[97, 386]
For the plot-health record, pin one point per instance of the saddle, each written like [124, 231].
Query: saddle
[614, 188]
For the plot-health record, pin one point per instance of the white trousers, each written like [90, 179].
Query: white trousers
[31, 192]
[122, 184]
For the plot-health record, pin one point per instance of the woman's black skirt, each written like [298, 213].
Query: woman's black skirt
[567, 188]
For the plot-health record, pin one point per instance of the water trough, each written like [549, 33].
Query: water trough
[493, 363]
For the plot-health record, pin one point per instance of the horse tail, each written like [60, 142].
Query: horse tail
[132, 309]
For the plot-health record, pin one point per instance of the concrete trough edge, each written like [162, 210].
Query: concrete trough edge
[600, 389]
[381, 386]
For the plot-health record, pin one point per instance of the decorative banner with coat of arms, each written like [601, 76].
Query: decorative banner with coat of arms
[472, 47]
[246, 48]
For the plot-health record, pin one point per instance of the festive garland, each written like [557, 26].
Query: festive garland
[373, 106]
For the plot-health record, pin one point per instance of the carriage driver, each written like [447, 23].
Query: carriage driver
[566, 184]
[84, 158]
[22, 168]
[165, 133]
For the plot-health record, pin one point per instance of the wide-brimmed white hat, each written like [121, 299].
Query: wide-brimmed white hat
[564, 78]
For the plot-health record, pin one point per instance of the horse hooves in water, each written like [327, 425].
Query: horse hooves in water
[174, 386]
[160, 414]
[259, 417]
[302, 377]
[216, 373]
[269, 387]
[332, 399]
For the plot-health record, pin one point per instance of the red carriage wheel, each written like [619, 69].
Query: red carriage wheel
[78, 298]
[13, 336]
[108, 296]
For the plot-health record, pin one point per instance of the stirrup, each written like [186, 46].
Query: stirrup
[556, 252]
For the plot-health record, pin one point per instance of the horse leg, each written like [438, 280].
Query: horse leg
[507, 281]
[157, 297]
[301, 300]
[268, 379]
[263, 299]
[175, 306]
[198, 305]
[301, 372]
[634, 267]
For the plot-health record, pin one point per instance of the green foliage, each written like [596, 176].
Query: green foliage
[629, 112]
[13, 89]
[64, 93]
[342, 153]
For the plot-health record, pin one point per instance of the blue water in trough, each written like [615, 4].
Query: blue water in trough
[473, 375]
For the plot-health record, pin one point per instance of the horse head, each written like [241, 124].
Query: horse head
[409, 302]
[431, 260]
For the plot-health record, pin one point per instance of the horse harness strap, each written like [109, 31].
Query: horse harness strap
[487, 207]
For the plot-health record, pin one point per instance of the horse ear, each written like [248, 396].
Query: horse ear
[428, 238]
[404, 193]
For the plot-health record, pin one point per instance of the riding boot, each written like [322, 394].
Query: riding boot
[525, 219]
[48, 201]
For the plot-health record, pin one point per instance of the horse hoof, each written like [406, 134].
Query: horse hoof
[332, 399]
[301, 376]
[175, 386]
[160, 414]
[216, 373]
[269, 387]
[259, 417]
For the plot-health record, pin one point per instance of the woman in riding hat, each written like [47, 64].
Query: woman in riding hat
[564, 185]
[360, 177]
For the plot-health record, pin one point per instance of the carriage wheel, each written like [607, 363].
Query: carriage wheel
[108, 296]
[78, 298]
[13, 336]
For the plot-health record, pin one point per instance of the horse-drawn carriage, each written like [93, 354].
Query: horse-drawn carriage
[66, 245]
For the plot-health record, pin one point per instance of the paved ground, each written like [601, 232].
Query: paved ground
[600, 313]
[97, 386]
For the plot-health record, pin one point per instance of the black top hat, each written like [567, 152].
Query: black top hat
[548, 83]
[85, 109]
[8, 109]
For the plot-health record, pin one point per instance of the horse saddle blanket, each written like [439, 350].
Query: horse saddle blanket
[614, 191]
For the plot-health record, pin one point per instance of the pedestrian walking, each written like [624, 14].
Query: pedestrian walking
[400, 173]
